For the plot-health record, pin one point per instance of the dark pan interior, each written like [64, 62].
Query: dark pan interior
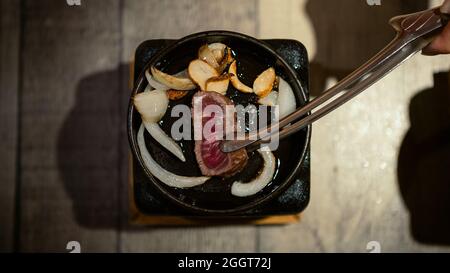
[215, 195]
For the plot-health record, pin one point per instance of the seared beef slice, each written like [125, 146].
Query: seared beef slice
[211, 160]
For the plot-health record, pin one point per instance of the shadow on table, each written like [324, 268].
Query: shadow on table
[93, 149]
[424, 164]
[350, 32]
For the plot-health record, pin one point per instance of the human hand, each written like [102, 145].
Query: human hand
[440, 45]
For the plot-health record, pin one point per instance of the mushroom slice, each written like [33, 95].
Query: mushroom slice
[159, 172]
[269, 100]
[182, 74]
[206, 54]
[264, 83]
[172, 81]
[200, 72]
[154, 83]
[218, 50]
[276, 83]
[286, 99]
[226, 60]
[218, 84]
[241, 189]
[235, 80]
[176, 94]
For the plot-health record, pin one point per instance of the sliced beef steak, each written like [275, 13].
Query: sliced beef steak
[211, 160]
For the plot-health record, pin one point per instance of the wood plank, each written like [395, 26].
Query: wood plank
[175, 221]
[174, 19]
[69, 121]
[355, 195]
[9, 71]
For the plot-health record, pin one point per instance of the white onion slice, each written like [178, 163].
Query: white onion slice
[286, 99]
[157, 133]
[163, 175]
[148, 88]
[152, 105]
[154, 83]
[241, 189]
[269, 100]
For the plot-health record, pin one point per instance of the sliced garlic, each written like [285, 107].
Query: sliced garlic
[218, 84]
[172, 81]
[264, 83]
[206, 54]
[218, 50]
[200, 72]
[227, 59]
[235, 80]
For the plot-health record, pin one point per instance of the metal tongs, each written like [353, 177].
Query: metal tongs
[414, 32]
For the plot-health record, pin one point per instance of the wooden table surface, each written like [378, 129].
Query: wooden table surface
[379, 164]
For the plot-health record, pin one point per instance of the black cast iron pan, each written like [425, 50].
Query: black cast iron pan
[214, 197]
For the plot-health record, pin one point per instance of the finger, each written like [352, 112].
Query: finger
[440, 45]
[445, 8]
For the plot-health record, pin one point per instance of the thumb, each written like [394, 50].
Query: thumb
[445, 8]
